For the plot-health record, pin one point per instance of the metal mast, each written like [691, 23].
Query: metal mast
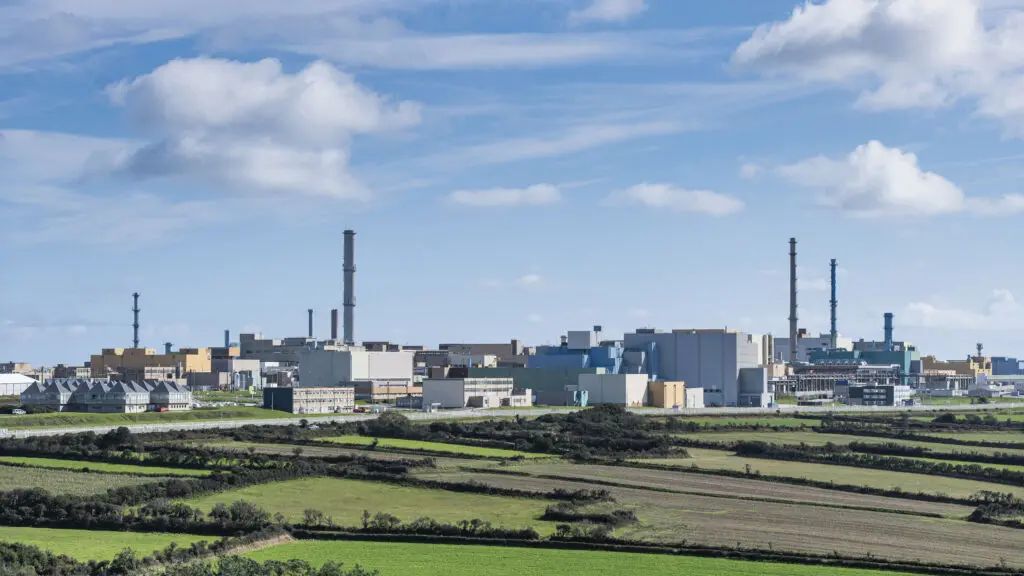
[135, 325]
[834, 333]
[349, 295]
[792, 301]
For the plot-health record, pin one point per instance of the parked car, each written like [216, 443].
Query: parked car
[18, 411]
[359, 410]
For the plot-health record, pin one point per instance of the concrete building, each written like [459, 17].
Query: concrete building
[320, 400]
[23, 368]
[694, 397]
[754, 390]
[880, 395]
[60, 371]
[708, 359]
[666, 394]
[329, 365]
[972, 366]
[285, 352]
[549, 385]
[473, 393]
[103, 396]
[229, 373]
[620, 389]
[14, 384]
[511, 355]
[116, 361]
[385, 390]
[807, 344]
[1004, 366]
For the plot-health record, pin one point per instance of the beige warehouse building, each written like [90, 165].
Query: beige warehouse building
[137, 360]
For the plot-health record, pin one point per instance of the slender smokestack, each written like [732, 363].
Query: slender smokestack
[227, 338]
[834, 333]
[792, 300]
[167, 347]
[309, 332]
[135, 325]
[888, 332]
[349, 289]
[334, 324]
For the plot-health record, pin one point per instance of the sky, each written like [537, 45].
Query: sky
[512, 168]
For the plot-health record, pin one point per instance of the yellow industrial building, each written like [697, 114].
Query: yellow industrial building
[117, 361]
[971, 367]
[666, 394]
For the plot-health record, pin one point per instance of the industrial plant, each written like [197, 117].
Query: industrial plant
[687, 368]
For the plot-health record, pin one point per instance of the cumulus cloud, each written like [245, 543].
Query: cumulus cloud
[254, 127]
[668, 197]
[901, 53]
[1000, 311]
[608, 11]
[536, 195]
[875, 180]
[749, 170]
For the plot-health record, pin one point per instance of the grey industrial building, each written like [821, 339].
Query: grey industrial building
[473, 393]
[320, 400]
[725, 363]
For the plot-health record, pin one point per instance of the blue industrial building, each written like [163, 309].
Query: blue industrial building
[1006, 366]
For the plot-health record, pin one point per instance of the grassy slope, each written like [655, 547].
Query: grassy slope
[67, 419]
[815, 439]
[434, 446]
[720, 459]
[102, 466]
[92, 544]
[786, 422]
[65, 482]
[345, 500]
[395, 559]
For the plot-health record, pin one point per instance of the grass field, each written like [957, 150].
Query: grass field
[88, 545]
[67, 482]
[400, 444]
[345, 500]
[332, 451]
[102, 466]
[816, 439]
[764, 421]
[66, 419]
[666, 517]
[399, 559]
[724, 460]
[996, 436]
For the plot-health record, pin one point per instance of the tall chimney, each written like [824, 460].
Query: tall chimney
[227, 338]
[135, 325]
[834, 333]
[309, 333]
[349, 295]
[792, 301]
[888, 332]
[334, 324]
[167, 347]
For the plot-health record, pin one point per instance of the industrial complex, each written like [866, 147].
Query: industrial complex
[677, 368]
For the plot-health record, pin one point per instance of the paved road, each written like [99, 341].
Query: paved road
[527, 412]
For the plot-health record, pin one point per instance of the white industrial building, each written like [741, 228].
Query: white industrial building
[694, 397]
[14, 384]
[807, 344]
[621, 389]
[473, 393]
[707, 359]
[332, 365]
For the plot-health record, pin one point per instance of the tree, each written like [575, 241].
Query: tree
[126, 563]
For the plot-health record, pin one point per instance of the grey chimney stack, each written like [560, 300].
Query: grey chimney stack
[334, 324]
[135, 325]
[349, 295]
[309, 332]
[792, 301]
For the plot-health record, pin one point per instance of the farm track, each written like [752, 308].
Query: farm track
[724, 521]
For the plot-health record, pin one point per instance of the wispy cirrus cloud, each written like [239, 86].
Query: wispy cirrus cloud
[536, 195]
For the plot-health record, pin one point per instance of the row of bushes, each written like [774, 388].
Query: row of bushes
[570, 512]
[581, 496]
[898, 449]
[877, 432]
[999, 508]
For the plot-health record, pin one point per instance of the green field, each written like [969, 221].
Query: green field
[102, 467]
[995, 436]
[346, 500]
[763, 421]
[67, 419]
[816, 439]
[399, 444]
[397, 559]
[67, 482]
[724, 460]
[88, 545]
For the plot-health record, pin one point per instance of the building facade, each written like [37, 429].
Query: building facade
[473, 393]
[104, 396]
[319, 400]
[329, 365]
[619, 389]
[807, 345]
[117, 362]
[666, 394]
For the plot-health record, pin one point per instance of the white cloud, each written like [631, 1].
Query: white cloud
[903, 53]
[254, 127]
[666, 196]
[875, 180]
[1000, 312]
[812, 284]
[538, 194]
[534, 318]
[530, 280]
[749, 171]
[608, 11]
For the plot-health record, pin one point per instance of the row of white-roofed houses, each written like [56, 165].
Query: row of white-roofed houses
[87, 395]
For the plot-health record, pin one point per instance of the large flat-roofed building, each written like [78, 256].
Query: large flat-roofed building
[620, 389]
[666, 394]
[708, 359]
[549, 386]
[319, 400]
[329, 365]
[808, 345]
[473, 393]
[384, 390]
[284, 352]
[117, 361]
[874, 395]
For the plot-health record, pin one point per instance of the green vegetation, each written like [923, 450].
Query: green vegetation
[724, 460]
[102, 467]
[345, 501]
[761, 421]
[71, 419]
[87, 545]
[816, 439]
[400, 444]
[67, 482]
[396, 559]
[1008, 436]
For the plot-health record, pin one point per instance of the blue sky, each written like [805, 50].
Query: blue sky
[513, 168]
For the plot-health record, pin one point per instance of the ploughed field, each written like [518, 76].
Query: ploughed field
[667, 517]
[67, 481]
[401, 559]
[85, 545]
